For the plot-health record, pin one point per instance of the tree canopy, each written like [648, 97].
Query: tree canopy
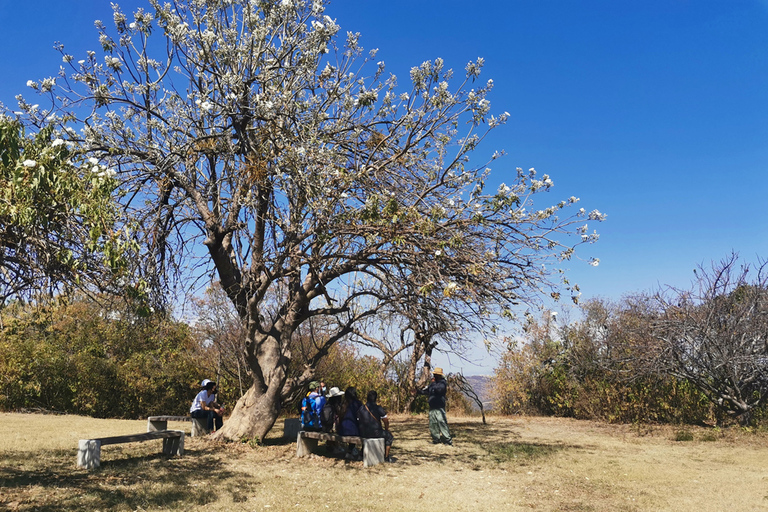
[252, 141]
[57, 214]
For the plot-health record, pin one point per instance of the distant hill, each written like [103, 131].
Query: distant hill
[481, 384]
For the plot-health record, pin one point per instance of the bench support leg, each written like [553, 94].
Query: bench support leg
[155, 426]
[199, 427]
[89, 454]
[291, 427]
[305, 445]
[373, 451]
[174, 445]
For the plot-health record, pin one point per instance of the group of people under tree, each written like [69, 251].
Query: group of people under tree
[343, 413]
[346, 415]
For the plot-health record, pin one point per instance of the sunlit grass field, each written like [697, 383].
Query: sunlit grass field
[518, 463]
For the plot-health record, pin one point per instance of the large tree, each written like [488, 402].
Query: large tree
[248, 138]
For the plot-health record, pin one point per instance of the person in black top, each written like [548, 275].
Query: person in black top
[438, 421]
[374, 422]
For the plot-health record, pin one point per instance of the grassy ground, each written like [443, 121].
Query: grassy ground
[511, 464]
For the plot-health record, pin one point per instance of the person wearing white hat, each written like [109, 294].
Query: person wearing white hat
[205, 406]
[438, 421]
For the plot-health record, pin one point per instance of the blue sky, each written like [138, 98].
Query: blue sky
[654, 112]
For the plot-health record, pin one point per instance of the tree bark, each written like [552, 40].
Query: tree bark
[253, 416]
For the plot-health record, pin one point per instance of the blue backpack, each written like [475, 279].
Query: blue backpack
[309, 417]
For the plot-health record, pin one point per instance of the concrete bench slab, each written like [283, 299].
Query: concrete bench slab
[156, 423]
[373, 449]
[89, 450]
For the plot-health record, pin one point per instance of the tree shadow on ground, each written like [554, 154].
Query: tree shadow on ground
[475, 444]
[48, 481]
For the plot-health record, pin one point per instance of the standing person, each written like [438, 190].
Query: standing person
[372, 416]
[438, 421]
[205, 406]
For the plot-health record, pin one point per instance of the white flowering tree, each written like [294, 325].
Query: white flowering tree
[57, 216]
[248, 137]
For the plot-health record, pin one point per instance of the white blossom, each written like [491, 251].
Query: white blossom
[596, 215]
[29, 163]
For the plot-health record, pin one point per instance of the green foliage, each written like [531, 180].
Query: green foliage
[58, 216]
[80, 358]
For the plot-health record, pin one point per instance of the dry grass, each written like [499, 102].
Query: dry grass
[510, 464]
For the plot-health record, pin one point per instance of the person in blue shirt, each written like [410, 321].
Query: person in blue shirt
[315, 399]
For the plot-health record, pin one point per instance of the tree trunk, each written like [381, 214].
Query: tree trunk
[253, 417]
[255, 413]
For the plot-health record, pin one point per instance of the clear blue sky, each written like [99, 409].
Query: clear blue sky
[654, 112]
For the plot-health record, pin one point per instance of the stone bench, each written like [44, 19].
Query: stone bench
[157, 423]
[89, 451]
[373, 449]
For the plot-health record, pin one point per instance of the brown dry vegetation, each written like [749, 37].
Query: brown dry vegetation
[517, 463]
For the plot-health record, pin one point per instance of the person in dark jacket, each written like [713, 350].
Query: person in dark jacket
[348, 426]
[331, 415]
[374, 422]
[438, 421]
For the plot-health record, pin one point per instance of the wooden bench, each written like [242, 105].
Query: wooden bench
[373, 449]
[157, 423]
[89, 451]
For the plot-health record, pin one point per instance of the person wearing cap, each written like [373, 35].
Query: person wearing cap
[205, 406]
[438, 421]
[330, 415]
[312, 406]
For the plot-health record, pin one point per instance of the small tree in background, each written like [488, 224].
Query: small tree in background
[715, 336]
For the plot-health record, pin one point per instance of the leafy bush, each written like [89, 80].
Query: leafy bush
[78, 357]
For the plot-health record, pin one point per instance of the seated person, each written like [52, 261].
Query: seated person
[330, 416]
[371, 416]
[205, 406]
[312, 407]
[349, 425]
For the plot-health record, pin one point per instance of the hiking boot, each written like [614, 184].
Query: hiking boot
[449, 442]
[389, 459]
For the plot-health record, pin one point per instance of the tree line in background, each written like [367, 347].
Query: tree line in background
[679, 356]
[98, 357]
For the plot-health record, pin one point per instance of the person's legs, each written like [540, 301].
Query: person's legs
[388, 438]
[442, 426]
[217, 419]
[434, 426]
